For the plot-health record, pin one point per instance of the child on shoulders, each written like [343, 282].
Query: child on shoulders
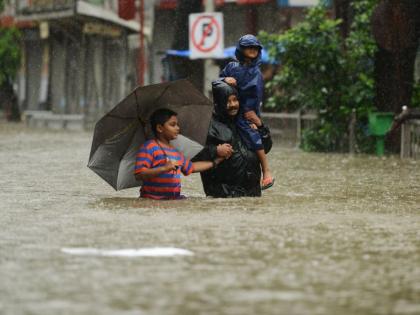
[245, 74]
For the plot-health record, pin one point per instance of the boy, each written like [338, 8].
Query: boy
[159, 165]
[247, 77]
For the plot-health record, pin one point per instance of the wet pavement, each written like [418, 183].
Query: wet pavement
[336, 235]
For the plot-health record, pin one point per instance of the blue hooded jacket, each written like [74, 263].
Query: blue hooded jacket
[250, 86]
[248, 77]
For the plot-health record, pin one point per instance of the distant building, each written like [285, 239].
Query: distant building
[77, 55]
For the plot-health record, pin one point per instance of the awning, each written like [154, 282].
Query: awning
[91, 10]
[302, 3]
[81, 8]
[171, 4]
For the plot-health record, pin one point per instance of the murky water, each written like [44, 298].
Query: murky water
[336, 235]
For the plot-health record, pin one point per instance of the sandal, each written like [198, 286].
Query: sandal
[267, 183]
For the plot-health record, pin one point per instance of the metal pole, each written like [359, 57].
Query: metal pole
[405, 137]
[299, 128]
[208, 63]
[140, 77]
[209, 7]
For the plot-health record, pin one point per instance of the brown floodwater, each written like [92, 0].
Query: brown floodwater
[337, 234]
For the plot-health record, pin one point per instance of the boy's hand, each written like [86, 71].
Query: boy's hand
[252, 117]
[170, 165]
[253, 126]
[218, 160]
[230, 81]
[224, 150]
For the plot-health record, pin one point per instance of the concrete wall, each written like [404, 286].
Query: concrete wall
[33, 51]
[74, 73]
[417, 67]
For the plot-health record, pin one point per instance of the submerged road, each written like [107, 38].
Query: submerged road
[336, 235]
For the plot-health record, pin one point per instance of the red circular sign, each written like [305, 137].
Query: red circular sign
[207, 30]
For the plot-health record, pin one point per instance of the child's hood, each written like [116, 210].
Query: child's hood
[247, 41]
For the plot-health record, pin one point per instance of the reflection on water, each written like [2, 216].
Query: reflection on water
[336, 235]
[128, 252]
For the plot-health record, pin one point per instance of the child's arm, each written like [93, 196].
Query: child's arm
[153, 172]
[230, 81]
[227, 74]
[253, 117]
[202, 166]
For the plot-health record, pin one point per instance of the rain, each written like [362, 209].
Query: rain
[338, 233]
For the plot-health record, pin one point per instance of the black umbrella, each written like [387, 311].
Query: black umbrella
[120, 133]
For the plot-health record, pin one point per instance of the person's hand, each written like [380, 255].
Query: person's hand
[253, 118]
[253, 126]
[224, 150]
[170, 165]
[230, 81]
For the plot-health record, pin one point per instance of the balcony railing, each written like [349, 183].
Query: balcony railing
[28, 7]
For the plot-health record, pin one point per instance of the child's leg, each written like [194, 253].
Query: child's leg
[253, 141]
[264, 164]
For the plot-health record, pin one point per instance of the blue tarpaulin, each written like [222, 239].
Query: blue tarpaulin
[302, 3]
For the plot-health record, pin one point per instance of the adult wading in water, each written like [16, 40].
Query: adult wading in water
[240, 174]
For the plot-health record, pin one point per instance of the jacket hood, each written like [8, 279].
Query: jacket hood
[247, 41]
[221, 92]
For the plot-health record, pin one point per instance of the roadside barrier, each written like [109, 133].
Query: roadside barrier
[410, 139]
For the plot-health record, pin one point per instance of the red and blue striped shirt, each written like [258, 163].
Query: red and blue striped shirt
[165, 185]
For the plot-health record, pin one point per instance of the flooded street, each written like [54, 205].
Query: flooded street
[336, 235]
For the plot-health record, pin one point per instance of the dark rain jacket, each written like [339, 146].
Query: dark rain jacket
[250, 85]
[240, 175]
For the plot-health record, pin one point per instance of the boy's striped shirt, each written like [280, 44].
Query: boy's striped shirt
[166, 185]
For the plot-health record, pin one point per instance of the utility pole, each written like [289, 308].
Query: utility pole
[208, 63]
[141, 54]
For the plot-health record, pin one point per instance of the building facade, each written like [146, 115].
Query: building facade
[77, 55]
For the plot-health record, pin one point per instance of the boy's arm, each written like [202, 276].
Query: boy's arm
[202, 166]
[147, 173]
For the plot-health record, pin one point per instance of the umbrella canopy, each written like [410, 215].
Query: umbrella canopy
[120, 133]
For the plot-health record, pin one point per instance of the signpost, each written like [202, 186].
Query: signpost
[206, 41]
[206, 35]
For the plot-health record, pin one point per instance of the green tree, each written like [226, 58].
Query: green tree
[325, 72]
[10, 52]
[9, 63]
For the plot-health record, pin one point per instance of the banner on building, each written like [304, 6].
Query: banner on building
[172, 4]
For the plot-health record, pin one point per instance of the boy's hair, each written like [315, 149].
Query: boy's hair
[159, 117]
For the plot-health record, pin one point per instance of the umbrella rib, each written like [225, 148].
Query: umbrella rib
[142, 121]
[163, 93]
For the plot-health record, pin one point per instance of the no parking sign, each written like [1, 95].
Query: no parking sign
[206, 35]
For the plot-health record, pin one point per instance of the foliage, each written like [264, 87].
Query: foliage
[10, 52]
[311, 62]
[324, 72]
